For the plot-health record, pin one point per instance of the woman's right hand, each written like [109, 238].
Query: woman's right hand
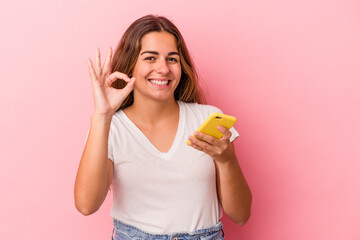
[107, 98]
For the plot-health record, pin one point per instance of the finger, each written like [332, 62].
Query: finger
[91, 71]
[97, 65]
[107, 65]
[200, 145]
[117, 75]
[203, 145]
[206, 138]
[191, 144]
[109, 81]
[226, 132]
[129, 86]
[113, 77]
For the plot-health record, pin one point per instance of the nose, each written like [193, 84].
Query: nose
[162, 67]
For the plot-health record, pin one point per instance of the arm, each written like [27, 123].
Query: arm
[233, 191]
[95, 171]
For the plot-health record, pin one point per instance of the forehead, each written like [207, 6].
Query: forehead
[159, 41]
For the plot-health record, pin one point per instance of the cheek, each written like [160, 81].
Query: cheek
[177, 71]
[141, 70]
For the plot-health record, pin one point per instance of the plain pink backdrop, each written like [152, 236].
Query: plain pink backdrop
[289, 71]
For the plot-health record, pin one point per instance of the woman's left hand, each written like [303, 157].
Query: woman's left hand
[220, 150]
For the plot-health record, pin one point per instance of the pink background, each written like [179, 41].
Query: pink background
[289, 70]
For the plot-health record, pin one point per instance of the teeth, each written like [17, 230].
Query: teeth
[160, 83]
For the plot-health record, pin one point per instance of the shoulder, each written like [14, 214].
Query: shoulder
[116, 118]
[117, 122]
[202, 108]
[197, 113]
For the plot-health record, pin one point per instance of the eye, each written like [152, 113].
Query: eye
[150, 58]
[172, 60]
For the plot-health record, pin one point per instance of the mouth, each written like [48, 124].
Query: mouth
[160, 82]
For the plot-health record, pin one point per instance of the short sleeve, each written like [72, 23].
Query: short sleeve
[110, 146]
[234, 134]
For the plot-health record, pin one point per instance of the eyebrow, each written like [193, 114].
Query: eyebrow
[156, 53]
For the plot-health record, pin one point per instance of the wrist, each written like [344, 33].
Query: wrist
[101, 117]
[229, 162]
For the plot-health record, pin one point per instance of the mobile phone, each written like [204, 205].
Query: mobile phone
[209, 126]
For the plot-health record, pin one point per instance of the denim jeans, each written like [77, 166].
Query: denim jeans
[123, 231]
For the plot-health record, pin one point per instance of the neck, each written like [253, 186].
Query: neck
[152, 112]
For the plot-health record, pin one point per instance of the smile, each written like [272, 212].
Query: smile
[159, 82]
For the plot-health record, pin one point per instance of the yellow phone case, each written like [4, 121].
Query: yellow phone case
[209, 126]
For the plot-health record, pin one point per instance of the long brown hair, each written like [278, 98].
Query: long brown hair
[128, 50]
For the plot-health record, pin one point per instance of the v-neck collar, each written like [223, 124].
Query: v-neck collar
[149, 144]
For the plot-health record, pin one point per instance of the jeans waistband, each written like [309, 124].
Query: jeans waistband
[213, 232]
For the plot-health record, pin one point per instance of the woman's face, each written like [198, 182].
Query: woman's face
[157, 69]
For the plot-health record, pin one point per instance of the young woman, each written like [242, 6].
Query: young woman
[147, 104]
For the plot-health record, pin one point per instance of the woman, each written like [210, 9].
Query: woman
[146, 107]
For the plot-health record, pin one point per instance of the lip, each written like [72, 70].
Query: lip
[160, 80]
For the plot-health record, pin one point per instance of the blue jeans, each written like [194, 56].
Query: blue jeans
[127, 232]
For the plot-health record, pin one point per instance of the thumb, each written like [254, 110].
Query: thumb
[129, 86]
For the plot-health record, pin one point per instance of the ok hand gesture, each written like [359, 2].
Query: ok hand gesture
[107, 99]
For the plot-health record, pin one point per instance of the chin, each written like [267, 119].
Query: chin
[164, 98]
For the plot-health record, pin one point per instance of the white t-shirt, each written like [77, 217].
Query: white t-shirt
[163, 192]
